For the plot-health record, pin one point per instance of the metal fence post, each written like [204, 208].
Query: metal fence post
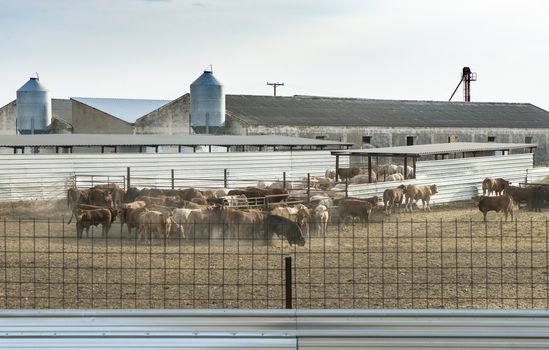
[346, 187]
[284, 180]
[308, 187]
[128, 178]
[173, 180]
[225, 178]
[288, 277]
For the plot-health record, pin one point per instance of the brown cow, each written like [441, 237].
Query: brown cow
[498, 203]
[275, 195]
[354, 208]
[521, 194]
[491, 184]
[416, 192]
[76, 211]
[124, 210]
[348, 173]
[100, 198]
[94, 217]
[132, 218]
[393, 197]
[76, 196]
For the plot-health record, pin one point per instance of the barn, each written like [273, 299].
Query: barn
[366, 123]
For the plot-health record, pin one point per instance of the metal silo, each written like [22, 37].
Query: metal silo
[207, 104]
[33, 111]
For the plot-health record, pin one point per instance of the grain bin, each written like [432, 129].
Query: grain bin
[33, 111]
[207, 104]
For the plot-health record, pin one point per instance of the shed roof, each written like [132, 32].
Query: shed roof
[331, 111]
[127, 109]
[93, 140]
[435, 148]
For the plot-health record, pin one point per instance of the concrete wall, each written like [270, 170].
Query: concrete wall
[88, 120]
[172, 118]
[7, 119]
[387, 137]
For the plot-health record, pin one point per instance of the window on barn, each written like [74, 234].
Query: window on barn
[410, 140]
[491, 139]
[366, 139]
[528, 139]
[320, 137]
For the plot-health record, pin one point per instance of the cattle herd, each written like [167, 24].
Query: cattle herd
[259, 212]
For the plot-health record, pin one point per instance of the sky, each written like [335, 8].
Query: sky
[380, 49]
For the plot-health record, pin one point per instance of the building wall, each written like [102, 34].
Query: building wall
[7, 119]
[172, 118]
[388, 137]
[88, 120]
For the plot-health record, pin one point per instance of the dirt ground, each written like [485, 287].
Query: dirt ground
[447, 258]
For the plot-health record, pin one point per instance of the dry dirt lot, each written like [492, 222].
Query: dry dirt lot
[447, 258]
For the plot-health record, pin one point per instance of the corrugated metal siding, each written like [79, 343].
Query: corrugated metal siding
[537, 174]
[48, 176]
[274, 329]
[456, 179]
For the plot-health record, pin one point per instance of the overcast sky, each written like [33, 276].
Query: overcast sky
[386, 49]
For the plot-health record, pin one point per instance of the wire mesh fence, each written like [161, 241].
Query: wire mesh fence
[382, 264]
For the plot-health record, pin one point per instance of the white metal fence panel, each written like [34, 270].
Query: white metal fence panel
[26, 176]
[456, 179]
[536, 175]
[274, 329]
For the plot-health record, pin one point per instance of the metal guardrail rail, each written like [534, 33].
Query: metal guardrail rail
[274, 329]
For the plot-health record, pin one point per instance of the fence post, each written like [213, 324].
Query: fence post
[346, 187]
[308, 187]
[128, 178]
[173, 180]
[224, 178]
[288, 276]
[284, 180]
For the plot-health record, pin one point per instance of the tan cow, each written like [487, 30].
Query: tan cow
[321, 217]
[393, 197]
[416, 192]
[153, 222]
[76, 196]
[493, 185]
[395, 177]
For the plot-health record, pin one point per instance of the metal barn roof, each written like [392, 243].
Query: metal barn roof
[93, 140]
[436, 148]
[330, 111]
[126, 109]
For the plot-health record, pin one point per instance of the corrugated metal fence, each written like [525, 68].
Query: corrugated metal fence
[26, 176]
[274, 329]
[460, 179]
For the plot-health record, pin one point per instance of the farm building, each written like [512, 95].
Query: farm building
[366, 123]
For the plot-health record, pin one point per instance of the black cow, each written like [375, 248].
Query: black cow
[131, 195]
[284, 228]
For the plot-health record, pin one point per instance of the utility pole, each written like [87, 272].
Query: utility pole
[275, 85]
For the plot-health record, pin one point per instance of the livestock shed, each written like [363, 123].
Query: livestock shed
[409, 155]
[114, 143]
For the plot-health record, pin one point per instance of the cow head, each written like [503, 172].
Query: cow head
[476, 199]
[296, 237]
[434, 189]
[108, 199]
[403, 188]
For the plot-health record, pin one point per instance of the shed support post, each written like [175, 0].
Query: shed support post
[225, 173]
[405, 168]
[155, 149]
[173, 179]
[308, 187]
[210, 148]
[102, 149]
[337, 168]
[128, 182]
[115, 149]
[369, 169]
[56, 149]
[284, 180]
[179, 148]
[415, 167]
